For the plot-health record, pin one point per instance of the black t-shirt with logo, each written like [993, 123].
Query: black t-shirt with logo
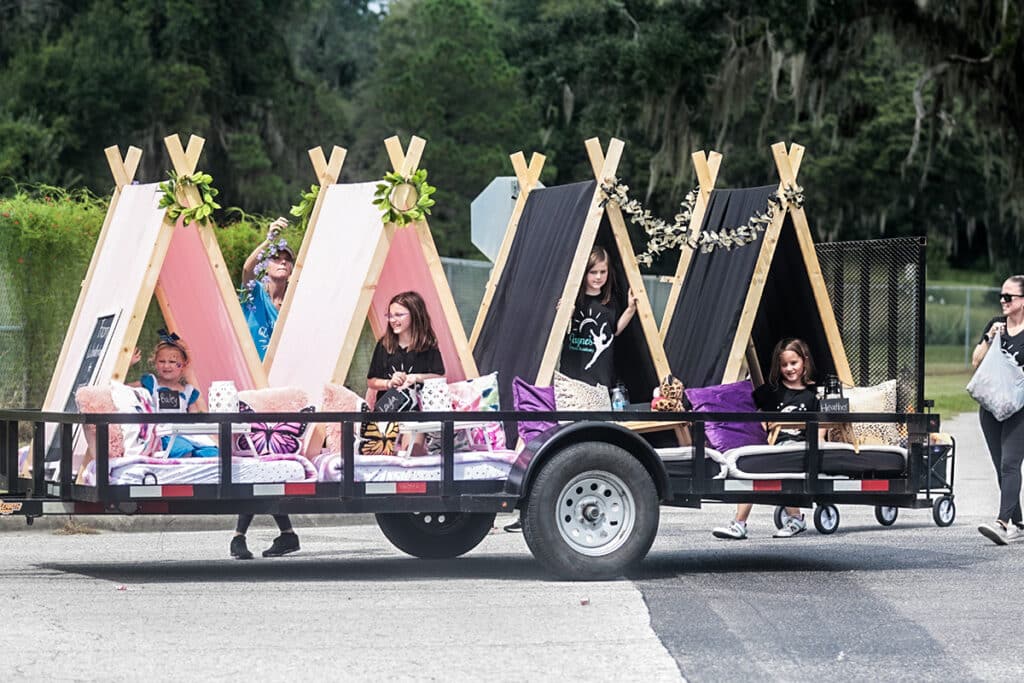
[1012, 344]
[384, 364]
[587, 351]
[782, 399]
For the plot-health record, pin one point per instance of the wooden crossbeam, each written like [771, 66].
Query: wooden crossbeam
[123, 170]
[528, 177]
[327, 172]
[405, 162]
[788, 165]
[706, 167]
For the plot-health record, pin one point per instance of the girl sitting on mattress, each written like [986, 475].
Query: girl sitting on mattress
[171, 393]
[790, 388]
[596, 321]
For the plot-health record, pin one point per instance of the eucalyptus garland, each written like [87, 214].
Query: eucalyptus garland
[201, 213]
[304, 209]
[418, 211]
[663, 236]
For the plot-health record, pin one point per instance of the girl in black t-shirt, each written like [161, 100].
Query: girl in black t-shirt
[407, 353]
[586, 352]
[790, 388]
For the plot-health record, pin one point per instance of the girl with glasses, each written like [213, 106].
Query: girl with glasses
[1005, 439]
[407, 354]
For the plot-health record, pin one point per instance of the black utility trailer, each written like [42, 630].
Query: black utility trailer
[588, 490]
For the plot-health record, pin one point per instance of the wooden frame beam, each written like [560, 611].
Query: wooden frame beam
[706, 167]
[528, 177]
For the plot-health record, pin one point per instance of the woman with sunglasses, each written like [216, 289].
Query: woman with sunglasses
[1005, 439]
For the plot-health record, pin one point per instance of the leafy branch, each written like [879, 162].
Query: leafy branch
[304, 209]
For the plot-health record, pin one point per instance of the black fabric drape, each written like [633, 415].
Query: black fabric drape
[522, 311]
[709, 306]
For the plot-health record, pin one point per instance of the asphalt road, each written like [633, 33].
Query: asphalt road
[910, 602]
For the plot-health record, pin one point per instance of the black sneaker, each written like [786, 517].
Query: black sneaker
[514, 526]
[283, 544]
[239, 550]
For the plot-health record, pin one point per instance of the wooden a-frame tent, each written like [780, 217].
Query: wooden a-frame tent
[729, 307]
[349, 266]
[141, 253]
[529, 298]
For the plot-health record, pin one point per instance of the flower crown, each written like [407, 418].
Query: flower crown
[260, 272]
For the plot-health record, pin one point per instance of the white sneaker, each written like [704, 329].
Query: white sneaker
[792, 527]
[736, 531]
[999, 534]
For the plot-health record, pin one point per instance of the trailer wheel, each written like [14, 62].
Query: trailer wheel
[944, 510]
[886, 514]
[435, 535]
[780, 517]
[826, 519]
[592, 512]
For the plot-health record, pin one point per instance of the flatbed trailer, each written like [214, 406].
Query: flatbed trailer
[588, 490]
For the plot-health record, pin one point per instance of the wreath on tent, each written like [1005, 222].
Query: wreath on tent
[663, 236]
[404, 199]
[201, 213]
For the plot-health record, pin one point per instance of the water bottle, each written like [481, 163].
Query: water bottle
[620, 398]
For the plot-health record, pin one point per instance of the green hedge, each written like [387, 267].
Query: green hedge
[47, 236]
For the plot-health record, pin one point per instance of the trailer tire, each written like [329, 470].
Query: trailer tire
[886, 514]
[780, 516]
[435, 535]
[944, 511]
[826, 519]
[592, 512]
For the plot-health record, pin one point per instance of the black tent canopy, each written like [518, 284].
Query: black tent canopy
[729, 307]
[521, 326]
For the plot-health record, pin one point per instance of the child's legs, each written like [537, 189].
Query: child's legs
[794, 512]
[743, 511]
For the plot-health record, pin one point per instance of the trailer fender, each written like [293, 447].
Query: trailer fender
[541, 448]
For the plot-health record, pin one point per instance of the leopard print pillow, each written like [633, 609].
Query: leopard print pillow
[572, 394]
[880, 398]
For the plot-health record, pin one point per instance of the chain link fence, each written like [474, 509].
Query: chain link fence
[954, 315]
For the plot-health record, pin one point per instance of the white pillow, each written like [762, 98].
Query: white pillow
[139, 440]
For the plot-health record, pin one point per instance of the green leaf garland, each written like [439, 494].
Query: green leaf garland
[201, 213]
[392, 214]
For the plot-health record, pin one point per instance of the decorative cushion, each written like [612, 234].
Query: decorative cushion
[435, 397]
[274, 437]
[98, 399]
[480, 394]
[529, 398]
[880, 398]
[139, 439]
[728, 398]
[572, 394]
[378, 438]
[339, 399]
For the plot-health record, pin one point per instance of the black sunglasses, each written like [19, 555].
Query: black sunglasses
[1007, 298]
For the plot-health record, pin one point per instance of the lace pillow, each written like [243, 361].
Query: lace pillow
[572, 394]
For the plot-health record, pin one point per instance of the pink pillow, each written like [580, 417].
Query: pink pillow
[98, 399]
[339, 399]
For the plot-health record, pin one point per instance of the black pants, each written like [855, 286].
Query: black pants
[245, 520]
[1006, 445]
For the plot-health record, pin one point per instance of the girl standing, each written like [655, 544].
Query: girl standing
[1005, 439]
[790, 388]
[407, 354]
[596, 321]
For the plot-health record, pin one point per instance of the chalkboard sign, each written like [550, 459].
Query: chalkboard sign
[91, 359]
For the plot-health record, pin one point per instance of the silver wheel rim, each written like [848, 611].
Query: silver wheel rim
[595, 513]
[888, 513]
[829, 517]
[945, 510]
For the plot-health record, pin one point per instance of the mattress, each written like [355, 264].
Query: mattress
[468, 465]
[267, 469]
[789, 461]
[678, 462]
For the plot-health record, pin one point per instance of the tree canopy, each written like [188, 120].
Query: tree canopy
[911, 110]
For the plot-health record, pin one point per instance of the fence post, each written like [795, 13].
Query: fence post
[967, 329]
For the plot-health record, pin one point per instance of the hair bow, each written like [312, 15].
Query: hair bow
[167, 337]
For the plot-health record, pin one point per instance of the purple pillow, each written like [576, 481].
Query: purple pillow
[728, 398]
[528, 398]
